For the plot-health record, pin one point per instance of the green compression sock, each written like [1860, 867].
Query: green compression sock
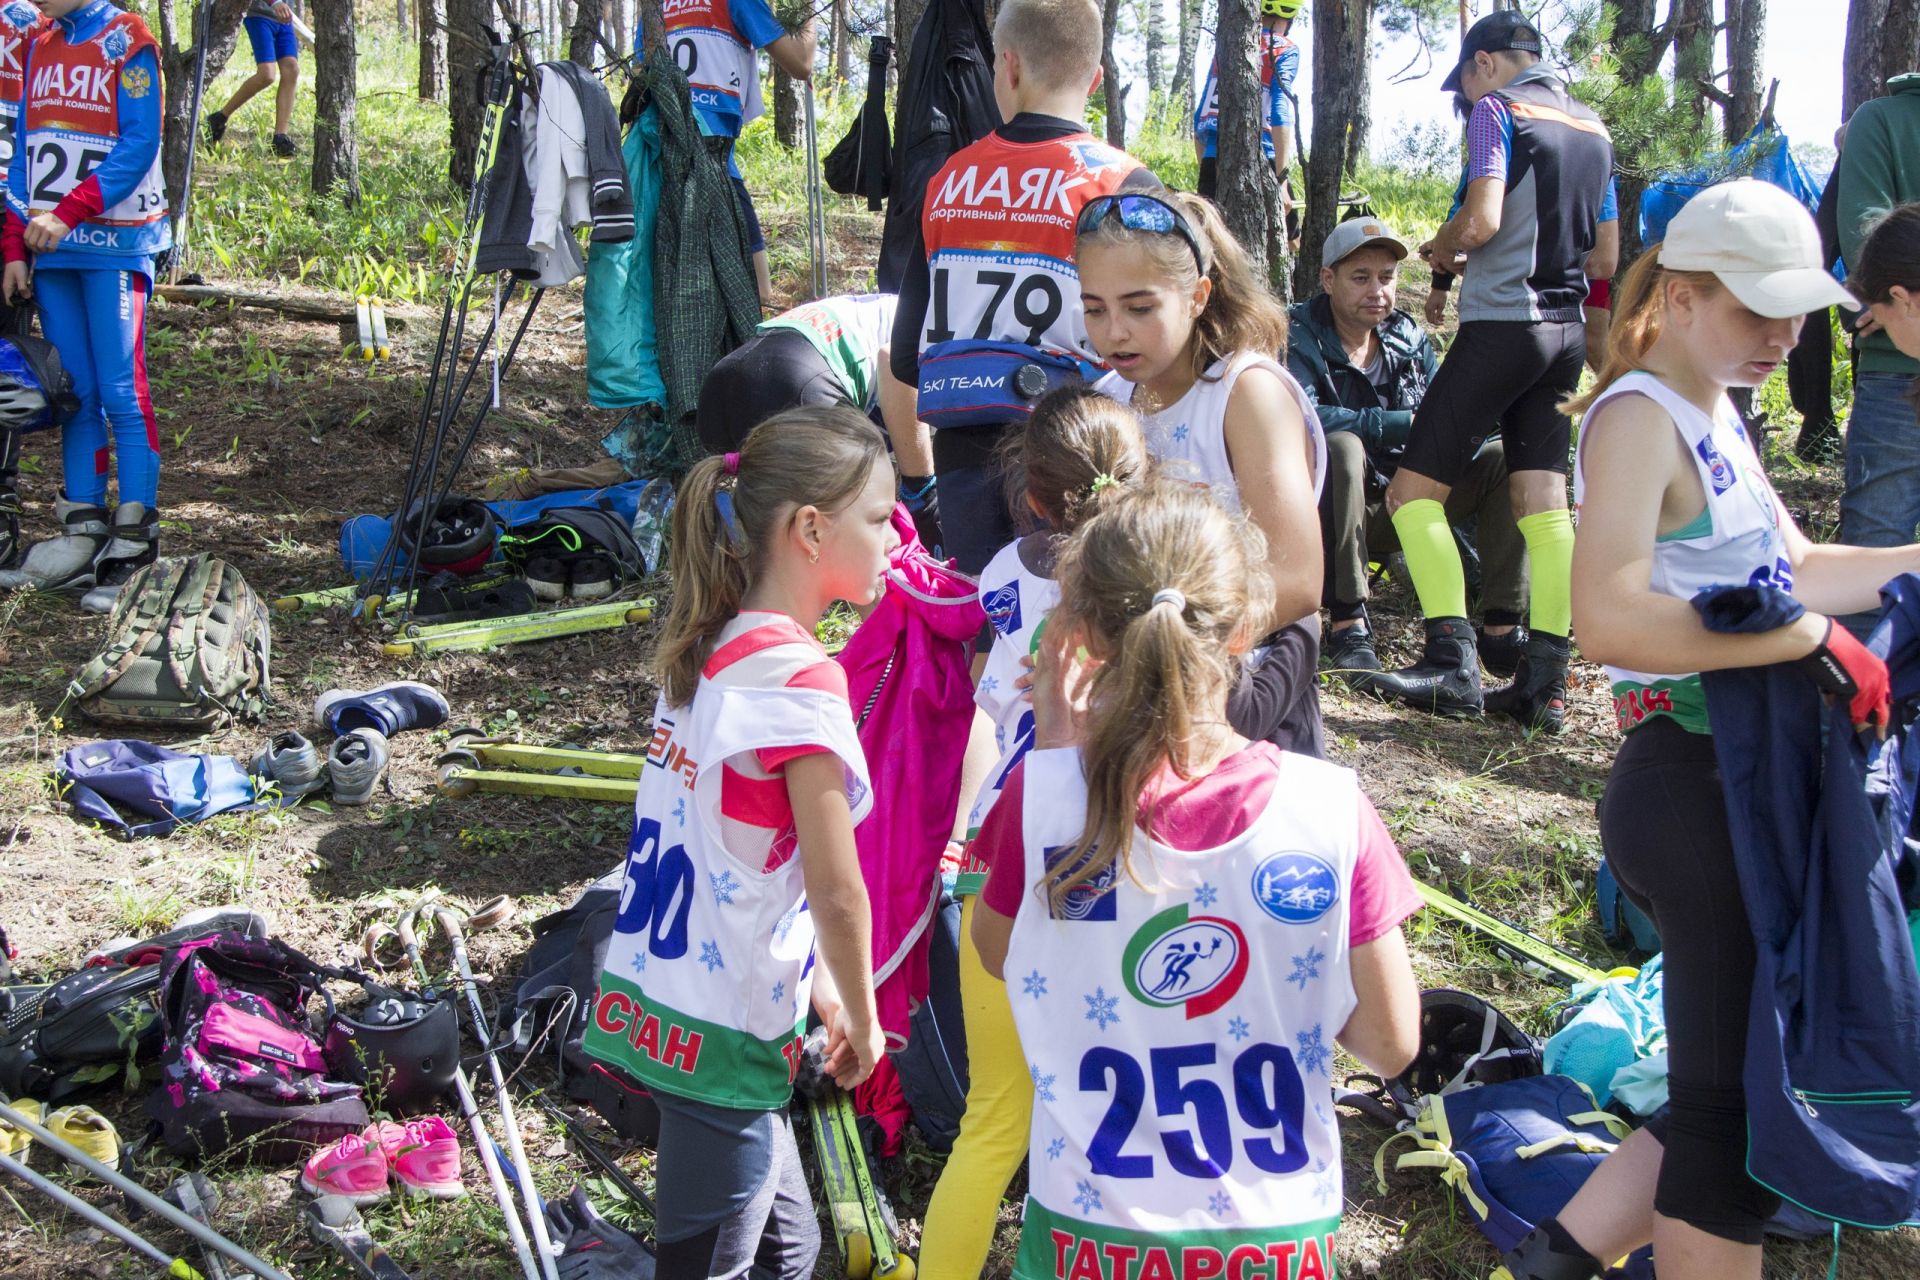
[1549, 536]
[1432, 558]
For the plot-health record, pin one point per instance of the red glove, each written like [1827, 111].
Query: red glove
[1844, 667]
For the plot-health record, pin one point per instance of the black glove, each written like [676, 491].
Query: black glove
[922, 497]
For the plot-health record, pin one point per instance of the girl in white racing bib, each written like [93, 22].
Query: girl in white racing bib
[742, 861]
[1186, 922]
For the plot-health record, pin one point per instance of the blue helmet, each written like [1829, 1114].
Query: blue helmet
[35, 389]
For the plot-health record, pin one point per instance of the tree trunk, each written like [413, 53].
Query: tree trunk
[1360, 126]
[583, 40]
[1247, 195]
[1746, 41]
[906, 18]
[1341, 47]
[1115, 93]
[1640, 46]
[1156, 51]
[653, 25]
[336, 147]
[400, 10]
[842, 44]
[1692, 53]
[1180, 96]
[430, 19]
[178, 49]
[787, 109]
[467, 22]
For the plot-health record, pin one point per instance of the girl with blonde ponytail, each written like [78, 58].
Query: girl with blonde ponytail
[742, 858]
[1078, 453]
[1191, 916]
[1197, 343]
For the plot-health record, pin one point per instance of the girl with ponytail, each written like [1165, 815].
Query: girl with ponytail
[1079, 451]
[1191, 915]
[1196, 342]
[742, 858]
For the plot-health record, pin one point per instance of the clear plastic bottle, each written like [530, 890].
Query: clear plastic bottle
[651, 517]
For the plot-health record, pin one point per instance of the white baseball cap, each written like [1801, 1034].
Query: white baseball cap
[1760, 242]
[1358, 233]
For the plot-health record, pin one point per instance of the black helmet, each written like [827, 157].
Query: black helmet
[402, 1045]
[460, 535]
[1463, 1040]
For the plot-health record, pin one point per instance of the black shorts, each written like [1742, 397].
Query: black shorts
[1499, 376]
[774, 371]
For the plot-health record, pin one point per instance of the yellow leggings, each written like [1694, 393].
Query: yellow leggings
[960, 1220]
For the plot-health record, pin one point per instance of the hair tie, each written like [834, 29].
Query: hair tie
[1101, 482]
[1168, 595]
[732, 464]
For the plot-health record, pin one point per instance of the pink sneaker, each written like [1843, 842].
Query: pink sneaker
[424, 1155]
[354, 1167]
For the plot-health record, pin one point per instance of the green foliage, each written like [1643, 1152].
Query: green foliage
[1650, 137]
[254, 215]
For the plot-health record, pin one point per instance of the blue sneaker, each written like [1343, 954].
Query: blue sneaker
[389, 709]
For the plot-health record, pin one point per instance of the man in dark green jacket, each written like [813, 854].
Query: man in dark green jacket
[1880, 171]
[1366, 366]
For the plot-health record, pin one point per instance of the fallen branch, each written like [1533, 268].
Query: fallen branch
[304, 306]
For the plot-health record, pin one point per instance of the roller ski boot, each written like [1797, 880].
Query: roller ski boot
[134, 544]
[65, 561]
[862, 1220]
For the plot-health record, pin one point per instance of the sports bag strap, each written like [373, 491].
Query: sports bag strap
[1380, 1155]
[1612, 1123]
[150, 604]
[183, 625]
[1452, 1172]
[1585, 1142]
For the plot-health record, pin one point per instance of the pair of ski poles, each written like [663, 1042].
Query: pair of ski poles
[200, 1231]
[537, 1259]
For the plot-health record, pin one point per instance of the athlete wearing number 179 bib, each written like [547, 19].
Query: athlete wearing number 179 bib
[85, 204]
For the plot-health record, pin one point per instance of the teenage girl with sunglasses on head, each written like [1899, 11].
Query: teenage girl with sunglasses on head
[1078, 452]
[742, 862]
[1195, 341]
[1187, 922]
[1673, 500]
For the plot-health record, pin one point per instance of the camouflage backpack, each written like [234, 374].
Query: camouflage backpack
[187, 645]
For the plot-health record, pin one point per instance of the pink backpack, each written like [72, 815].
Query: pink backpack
[909, 681]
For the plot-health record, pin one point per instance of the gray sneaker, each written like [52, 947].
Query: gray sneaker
[355, 762]
[293, 763]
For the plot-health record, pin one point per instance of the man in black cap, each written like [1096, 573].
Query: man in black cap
[1537, 168]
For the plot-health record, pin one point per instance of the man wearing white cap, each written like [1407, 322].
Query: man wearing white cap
[1538, 162]
[1366, 367]
[1673, 500]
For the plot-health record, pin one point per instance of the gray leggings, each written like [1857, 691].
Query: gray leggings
[730, 1197]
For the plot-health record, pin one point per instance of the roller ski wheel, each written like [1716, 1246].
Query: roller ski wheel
[902, 1269]
[448, 769]
[858, 1251]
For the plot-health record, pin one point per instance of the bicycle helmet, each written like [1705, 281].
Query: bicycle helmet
[1282, 8]
[1463, 1041]
[404, 1047]
[35, 389]
[460, 536]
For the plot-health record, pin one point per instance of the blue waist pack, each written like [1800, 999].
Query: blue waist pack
[161, 789]
[988, 384]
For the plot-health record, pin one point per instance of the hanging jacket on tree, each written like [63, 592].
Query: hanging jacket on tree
[909, 683]
[945, 103]
[623, 352]
[705, 300]
[1821, 819]
[861, 164]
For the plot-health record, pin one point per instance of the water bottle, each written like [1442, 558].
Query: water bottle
[650, 518]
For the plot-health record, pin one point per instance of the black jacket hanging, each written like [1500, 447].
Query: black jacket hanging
[861, 164]
[946, 102]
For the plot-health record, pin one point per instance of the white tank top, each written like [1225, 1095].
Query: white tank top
[1738, 539]
[1190, 435]
[1017, 601]
[1179, 1032]
[707, 977]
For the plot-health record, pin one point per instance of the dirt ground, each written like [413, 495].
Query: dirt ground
[265, 454]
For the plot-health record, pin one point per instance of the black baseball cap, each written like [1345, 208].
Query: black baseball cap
[1501, 30]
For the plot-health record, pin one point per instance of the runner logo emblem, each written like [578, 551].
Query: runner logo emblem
[1717, 466]
[1295, 888]
[1175, 960]
[1003, 608]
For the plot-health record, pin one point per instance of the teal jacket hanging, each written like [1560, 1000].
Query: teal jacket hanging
[623, 357]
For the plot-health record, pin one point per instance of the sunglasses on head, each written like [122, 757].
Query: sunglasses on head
[1141, 213]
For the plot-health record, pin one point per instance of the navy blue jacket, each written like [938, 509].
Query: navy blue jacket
[1821, 824]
